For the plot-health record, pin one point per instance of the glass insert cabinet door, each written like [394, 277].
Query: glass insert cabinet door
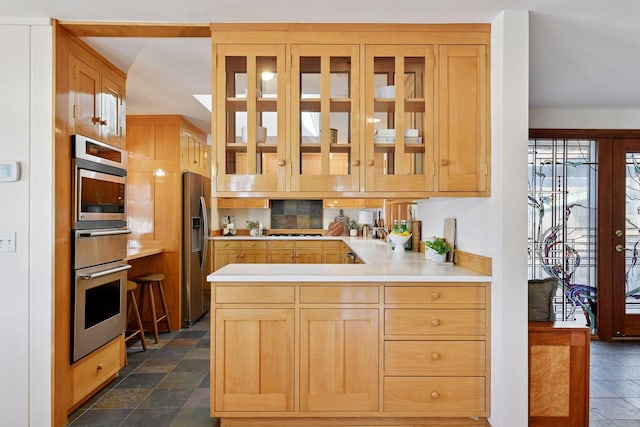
[324, 111]
[249, 117]
[399, 103]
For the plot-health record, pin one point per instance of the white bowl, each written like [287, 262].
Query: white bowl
[397, 241]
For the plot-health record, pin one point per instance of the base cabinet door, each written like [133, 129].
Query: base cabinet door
[254, 359]
[558, 351]
[338, 360]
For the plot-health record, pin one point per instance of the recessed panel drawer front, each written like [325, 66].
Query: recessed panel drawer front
[339, 294]
[434, 295]
[252, 244]
[455, 395]
[434, 322]
[254, 294]
[282, 244]
[227, 244]
[434, 358]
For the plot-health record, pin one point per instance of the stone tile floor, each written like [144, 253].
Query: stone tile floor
[167, 385]
[615, 384]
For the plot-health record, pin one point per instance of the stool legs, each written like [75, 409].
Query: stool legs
[133, 306]
[152, 302]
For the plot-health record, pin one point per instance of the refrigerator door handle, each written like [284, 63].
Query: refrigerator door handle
[205, 232]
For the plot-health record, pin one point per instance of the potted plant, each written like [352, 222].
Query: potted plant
[253, 227]
[437, 249]
[353, 228]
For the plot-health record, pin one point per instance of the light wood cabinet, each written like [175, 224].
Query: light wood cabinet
[194, 152]
[463, 143]
[338, 360]
[364, 351]
[239, 252]
[353, 203]
[558, 351]
[96, 369]
[243, 203]
[370, 110]
[254, 359]
[98, 98]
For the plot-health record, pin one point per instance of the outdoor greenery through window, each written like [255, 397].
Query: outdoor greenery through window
[562, 222]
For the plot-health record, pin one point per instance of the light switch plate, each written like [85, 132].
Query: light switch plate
[7, 241]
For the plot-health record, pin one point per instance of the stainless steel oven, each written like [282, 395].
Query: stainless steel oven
[99, 288]
[99, 303]
[99, 184]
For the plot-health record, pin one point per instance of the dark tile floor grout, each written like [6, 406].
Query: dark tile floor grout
[167, 385]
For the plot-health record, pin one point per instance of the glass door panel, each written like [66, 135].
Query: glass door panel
[324, 143]
[248, 82]
[399, 134]
[626, 239]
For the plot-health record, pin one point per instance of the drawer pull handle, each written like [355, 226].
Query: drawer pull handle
[435, 395]
[100, 366]
[435, 322]
[435, 295]
[435, 356]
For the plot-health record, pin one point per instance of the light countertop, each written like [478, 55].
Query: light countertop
[380, 264]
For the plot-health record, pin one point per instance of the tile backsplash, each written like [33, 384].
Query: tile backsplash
[292, 214]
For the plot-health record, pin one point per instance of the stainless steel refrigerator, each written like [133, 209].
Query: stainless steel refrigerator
[196, 191]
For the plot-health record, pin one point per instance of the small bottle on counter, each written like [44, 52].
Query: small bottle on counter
[395, 226]
[260, 229]
[403, 226]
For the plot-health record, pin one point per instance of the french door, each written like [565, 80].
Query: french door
[625, 238]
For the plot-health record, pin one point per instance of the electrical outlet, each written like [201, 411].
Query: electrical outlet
[7, 242]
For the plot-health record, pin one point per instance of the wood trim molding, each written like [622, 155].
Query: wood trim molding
[584, 133]
[135, 29]
[478, 263]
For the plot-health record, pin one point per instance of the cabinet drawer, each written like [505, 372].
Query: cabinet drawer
[252, 244]
[254, 294]
[434, 357]
[227, 244]
[309, 244]
[435, 295]
[282, 244]
[339, 294]
[434, 322]
[95, 369]
[331, 244]
[457, 395]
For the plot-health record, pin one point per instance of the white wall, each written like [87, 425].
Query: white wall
[568, 118]
[497, 226]
[27, 209]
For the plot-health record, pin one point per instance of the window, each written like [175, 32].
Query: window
[562, 221]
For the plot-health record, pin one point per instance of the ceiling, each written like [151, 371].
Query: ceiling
[583, 53]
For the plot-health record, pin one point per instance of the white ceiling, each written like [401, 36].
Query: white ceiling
[583, 53]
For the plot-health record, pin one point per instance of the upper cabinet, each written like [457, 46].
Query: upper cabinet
[463, 124]
[386, 111]
[98, 92]
[250, 117]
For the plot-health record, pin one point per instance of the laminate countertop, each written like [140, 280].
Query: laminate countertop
[380, 264]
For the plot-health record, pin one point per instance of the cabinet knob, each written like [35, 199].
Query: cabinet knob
[370, 162]
[100, 366]
[435, 322]
[444, 162]
[435, 356]
[281, 162]
[355, 163]
[435, 395]
[103, 122]
[435, 295]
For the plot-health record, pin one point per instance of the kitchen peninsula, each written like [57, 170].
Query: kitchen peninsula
[395, 341]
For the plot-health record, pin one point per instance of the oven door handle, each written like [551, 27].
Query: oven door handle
[105, 272]
[104, 233]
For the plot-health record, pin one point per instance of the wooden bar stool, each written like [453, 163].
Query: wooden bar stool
[132, 305]
[148, 282]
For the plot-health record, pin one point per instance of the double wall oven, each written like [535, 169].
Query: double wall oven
[99, 245]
